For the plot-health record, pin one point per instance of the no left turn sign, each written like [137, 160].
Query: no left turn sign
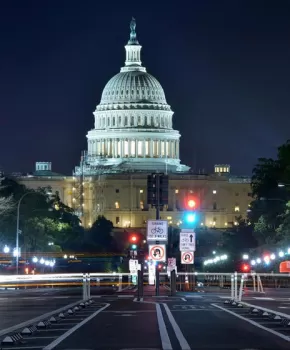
[187, 257]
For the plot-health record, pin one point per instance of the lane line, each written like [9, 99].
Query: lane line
[180, 337]
[37, 319]
[183, 299]
[285, 337]
[72, 330]
[263, 298]
[165, 340]
[282, 314]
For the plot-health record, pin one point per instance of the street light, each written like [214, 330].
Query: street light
[6, 249]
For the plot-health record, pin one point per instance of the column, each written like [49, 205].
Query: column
[116, 148]
[122, 148]
[177, 149]
[129, 148]
[151, 148]
[144, 148]
[136, 148]
[159, 149]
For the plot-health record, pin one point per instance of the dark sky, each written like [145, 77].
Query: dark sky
[224, 66]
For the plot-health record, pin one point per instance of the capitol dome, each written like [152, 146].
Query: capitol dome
[133, 87]
[133, 122]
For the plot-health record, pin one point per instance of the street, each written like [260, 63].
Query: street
[116, 321]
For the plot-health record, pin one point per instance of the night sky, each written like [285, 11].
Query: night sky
[224, 66]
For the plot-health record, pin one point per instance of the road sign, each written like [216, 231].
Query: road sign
[187, 240]
[171, 264]
[157, 252]
[157, 230]
[133, 265]
[187, 257]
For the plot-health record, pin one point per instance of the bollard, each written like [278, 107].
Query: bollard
[232, 288]
[140, 284]
[254, 281]
[236, 286]
[172, 282]
[88, 286]
[120, 283]
[157, 281]
[84, 287]
[241, 288]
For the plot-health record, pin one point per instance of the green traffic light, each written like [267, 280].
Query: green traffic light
[134, 246]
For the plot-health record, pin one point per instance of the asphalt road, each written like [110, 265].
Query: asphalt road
[121, 322]
[192, 324]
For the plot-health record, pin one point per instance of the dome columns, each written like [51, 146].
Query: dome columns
[134, 148]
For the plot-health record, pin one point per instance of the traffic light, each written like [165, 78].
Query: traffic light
[134, 246]
[191, 203]
[133, 238]
[245, 267]
[190, 218]
[157, 189]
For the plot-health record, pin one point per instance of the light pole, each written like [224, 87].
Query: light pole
[17, 230]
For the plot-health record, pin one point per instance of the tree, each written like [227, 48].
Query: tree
[238, 239]
[43, 218]
[6, 202]
[283, 231]
[100, 235]
[269, 198]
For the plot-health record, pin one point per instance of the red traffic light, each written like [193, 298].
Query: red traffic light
[133, 238]
[246, 267]
[191, 203]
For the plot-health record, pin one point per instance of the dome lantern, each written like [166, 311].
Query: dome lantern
[133, 51]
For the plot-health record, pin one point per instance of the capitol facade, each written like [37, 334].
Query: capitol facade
[132, 137]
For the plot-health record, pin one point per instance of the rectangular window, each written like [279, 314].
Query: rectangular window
[117, 190]
[214, 206]
[117, 205]
[142, 205]
[117, 220]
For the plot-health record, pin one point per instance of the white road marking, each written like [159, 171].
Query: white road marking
[224, 297]
[72, 330]
[166, 344]
[180, 337]
[263, 298]
[38, 318]
[285, 337]
[183, 299]
[268, 310]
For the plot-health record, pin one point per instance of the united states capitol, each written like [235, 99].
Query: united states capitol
[133, 136]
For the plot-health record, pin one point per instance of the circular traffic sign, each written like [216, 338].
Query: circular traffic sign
[187, 257]
[157, 253]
